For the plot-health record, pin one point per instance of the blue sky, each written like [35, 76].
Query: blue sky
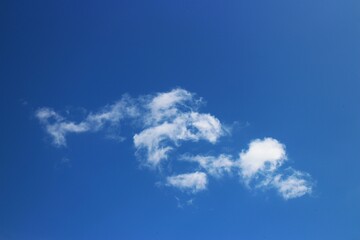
[256, 102]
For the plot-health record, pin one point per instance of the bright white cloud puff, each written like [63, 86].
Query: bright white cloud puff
[165, 121]
[264, 155]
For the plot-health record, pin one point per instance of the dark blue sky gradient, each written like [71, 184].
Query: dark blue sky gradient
[284, 69]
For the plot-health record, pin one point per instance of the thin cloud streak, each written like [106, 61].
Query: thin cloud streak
[58, 127]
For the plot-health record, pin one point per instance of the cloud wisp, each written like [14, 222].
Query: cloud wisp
[58, 127]
[165, 121]
[194, 182]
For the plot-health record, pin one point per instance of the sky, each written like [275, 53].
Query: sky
[179, 120]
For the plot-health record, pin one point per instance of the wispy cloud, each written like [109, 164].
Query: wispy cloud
[166, 120]
[160, 139]
[215, 166]
[290, 186]
[59, 127]
[171, 118]
[193, 182]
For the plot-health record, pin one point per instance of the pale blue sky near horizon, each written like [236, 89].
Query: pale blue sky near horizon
[282, 69]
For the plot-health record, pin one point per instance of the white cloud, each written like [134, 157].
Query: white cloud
[215, 166]
[206, 126]
[151, 139]
[59, 130]
[193, 182]
[160, 139]
[293, 186]
[43, 114]
[259, 165]
[58, 127]
[113, 114]
[166, 120]
[166, 105]
[169, 119]
[262, 155]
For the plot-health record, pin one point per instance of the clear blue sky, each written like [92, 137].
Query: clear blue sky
[289, 70]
